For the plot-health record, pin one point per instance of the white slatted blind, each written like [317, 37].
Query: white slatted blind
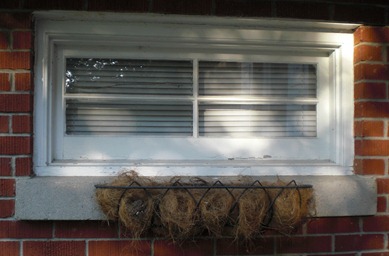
[123, 117]
[160, 98]
[257, 79]
[257, 120]
[281, 82]
[139, 77]
[128, 78]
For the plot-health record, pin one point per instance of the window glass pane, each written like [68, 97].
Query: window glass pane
[266, 80]
[160, 78]
[112, 117]
[257, 79]
[128, 76]
[237, 120]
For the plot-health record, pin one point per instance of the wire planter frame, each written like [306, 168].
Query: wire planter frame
[268, 213]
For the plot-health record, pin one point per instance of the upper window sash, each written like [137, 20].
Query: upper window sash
[162, 98]
[160, 148]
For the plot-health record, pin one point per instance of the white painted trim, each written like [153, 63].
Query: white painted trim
[185, 169]
[258, 23]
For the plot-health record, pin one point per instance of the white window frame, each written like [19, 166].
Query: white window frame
[56, 38]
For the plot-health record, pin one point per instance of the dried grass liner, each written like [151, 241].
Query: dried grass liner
[290, 207]
[179, 214]
[136, 211]
[253, 209]
[108, 199]
[215, 209]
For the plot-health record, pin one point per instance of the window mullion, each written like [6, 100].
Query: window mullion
[195, 98]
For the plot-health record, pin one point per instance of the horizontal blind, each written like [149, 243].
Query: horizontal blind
[170, 111]
[133, 77]
[129, 109]
[257, 120]
[123, 117]
[257, 80]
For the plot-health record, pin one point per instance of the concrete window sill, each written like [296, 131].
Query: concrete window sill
[72, 198]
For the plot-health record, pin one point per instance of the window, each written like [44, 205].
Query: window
[168, 95]
[161, 98]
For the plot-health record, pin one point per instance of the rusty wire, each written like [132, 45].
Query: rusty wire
[243, 188]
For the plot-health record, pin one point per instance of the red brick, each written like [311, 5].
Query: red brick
[387, 54]
[23, 82]
[15, 145]
[381, 204]
[126, 233]
[333, 225]
[5, 166]
[54, 4]
[376, 224]
[380, 2]
[303, 244]
[85, 229]
[371, 35]
[22, 40]
[9, 4]
[23, 166]
[382, 186]
[244, 8]
[370, 91]
[15, 60]
[357, 36]
[4, 40]
[256, 247]
[54, 248]
[4, 124]
[5, 83]
[338, 254]
[369, 128]
[365, 71]
[7, 208]
[369, 166]
[199, 7]
[15, 20]
[200, 247]
[305, 10]
[358, 13]
[372, 147]
[25, 229]
[22, 124]
[388, 130]
[15, 103]
[359, 242]
[119, 248]
[367, 53]
[372, 109]
[9, 248]
[375, 254]
[119, 5]
[7, 187]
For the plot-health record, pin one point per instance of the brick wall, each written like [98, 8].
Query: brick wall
[322, 236]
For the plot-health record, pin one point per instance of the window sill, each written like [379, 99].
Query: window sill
[72, 198]
[230, 167]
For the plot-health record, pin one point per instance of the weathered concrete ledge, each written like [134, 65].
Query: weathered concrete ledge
[72, 198]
